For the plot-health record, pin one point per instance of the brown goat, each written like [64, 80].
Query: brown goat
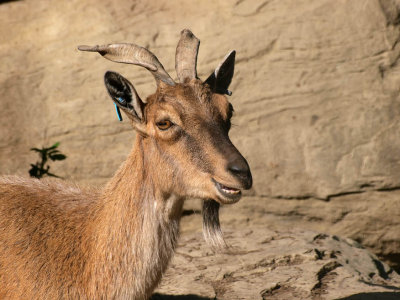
[58, 241]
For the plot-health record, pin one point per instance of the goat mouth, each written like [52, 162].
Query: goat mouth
[228, 195]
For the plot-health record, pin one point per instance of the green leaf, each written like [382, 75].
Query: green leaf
[52, 175]
[41, 169]
[57, 157]
[37, 150]
[34, 171]
[54, 146]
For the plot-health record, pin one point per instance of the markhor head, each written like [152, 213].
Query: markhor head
[187, 125]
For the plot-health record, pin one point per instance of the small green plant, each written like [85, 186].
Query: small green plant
[40, 169]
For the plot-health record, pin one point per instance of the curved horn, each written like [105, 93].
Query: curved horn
[132, 54]
[186, 56]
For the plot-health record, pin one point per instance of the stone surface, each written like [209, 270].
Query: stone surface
[371, 218]
[265, 264]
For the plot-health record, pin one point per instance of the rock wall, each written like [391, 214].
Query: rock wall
[316, 90]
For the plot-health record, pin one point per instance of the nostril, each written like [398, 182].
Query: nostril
[237, 169]
[241, 169]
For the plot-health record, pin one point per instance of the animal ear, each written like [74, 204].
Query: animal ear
[221, 78]
[124, 96]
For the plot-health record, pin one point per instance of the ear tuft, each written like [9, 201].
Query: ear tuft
[124, 95]
[118, 88]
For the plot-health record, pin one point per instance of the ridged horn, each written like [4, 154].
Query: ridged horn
[186, 56]
[132, 54]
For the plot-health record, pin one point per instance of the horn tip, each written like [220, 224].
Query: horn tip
[186, 32]
[87, 48]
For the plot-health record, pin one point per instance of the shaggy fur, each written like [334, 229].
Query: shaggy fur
[60, 242]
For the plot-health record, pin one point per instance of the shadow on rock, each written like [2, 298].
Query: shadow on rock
[178, 297]
[373, 296]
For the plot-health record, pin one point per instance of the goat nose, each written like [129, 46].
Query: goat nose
[240, 168]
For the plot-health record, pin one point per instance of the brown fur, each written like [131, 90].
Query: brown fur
[58, 241]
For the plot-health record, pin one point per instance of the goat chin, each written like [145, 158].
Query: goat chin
[211, 227]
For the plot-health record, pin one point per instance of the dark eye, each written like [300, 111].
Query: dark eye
[164, 125]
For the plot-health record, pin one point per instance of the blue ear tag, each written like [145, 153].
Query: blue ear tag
[118, 112]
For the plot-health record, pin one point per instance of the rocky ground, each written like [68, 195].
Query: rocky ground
[273, 256]
[371, 218]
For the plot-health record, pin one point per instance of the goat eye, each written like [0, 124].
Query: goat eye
[164, 125]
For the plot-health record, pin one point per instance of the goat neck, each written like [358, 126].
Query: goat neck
[136, 229]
